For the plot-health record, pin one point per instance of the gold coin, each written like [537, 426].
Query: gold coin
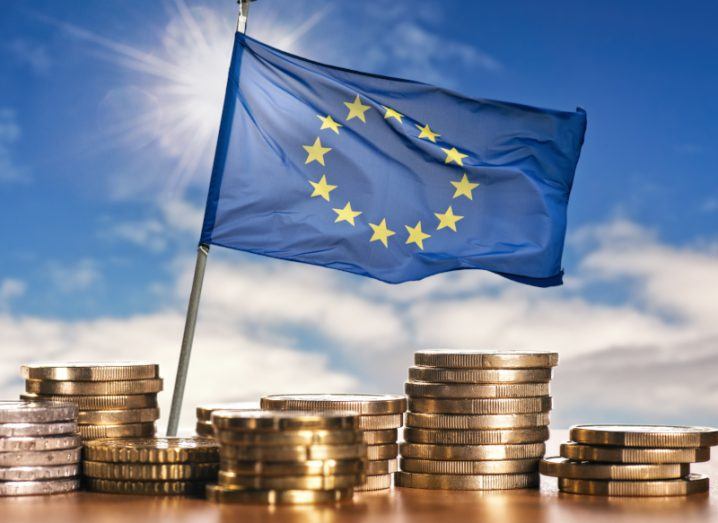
[476, 437]
[427, 466]
[150, 472]
[128, 430]
[228, 479]
[563, 468]
[438, 375]
[381, 466]
[293, 452]
[579, 452]
[117, 417]
[152, 450]
[93, 388]
[220, 494]
[472, 452]
[116, 402]
[381, 422]
[91, 371]
[465, 481]
[691, 484]
[481, 406]
[272, 420]
[155, 488]
[380, 437]
[294, 437]
[204, 412]
[374, 452]
[204, 429]
[417, 389]
[471, 422]
[378, 482]
[331, 467]
[364, 404]
[653, 436]
[485, 359]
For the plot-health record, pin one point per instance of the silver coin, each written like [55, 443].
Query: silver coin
[36, 411]
[40, 458]
[39, 443]
[34, 488]
[37, 429]
[39, 473]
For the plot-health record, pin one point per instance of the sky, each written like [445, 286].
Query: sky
[108, 120]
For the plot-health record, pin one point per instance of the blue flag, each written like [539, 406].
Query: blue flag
[387, 178]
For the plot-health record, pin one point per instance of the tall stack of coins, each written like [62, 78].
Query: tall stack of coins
[39, 448]
[632, 460]
[204, 414]
[477, 420]
[272, 457]
[155, 466]
[380, 417]
[115, 399]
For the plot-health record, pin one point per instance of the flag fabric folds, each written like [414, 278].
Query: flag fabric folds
[387, 178]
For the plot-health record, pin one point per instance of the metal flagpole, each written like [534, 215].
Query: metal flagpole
[195, 293]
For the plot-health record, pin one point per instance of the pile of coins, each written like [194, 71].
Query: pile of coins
[204, 415]
[115, 399]
[380, 417]
[39, 448]
[477, 420]
[153, 466]
[272, 457]
[632, 460]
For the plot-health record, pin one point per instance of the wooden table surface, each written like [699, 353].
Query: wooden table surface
[400, 505]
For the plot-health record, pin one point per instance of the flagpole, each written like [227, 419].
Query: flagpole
[195, 293]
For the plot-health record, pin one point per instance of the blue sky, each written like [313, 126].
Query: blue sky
[108, 113]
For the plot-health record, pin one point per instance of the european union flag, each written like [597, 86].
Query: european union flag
[387, 178]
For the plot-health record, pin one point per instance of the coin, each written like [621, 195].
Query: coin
[220, 494]
[161, 488]
[36, 412]
[150, 472]
[417, 389]
[380, 437]
[37, 443]
[204, 429]
[42, 487]
[481, 406]
[269, 420]
[378, 482]
[691, 484]
[329, 467]
[438, 375]
[470, 422]
[654, 436]
[472, 452]
[91, 371]
[485, 359]
[380, 467]
[204, 412]
[293, 453]
[37, 429]
[117, 417]
[128, 430]
[153, 450]
[365, 404]
[122, 401]
[478, 437]
[563, 468]
[36, 473]
[389, 451]
[511, 466]
[93, 388]
[466, 481]
[31, 458]
[291, 482]
[579, 452]
[294, 437]
[381, 422]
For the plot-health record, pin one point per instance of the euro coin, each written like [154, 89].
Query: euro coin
[204, 412]
[481, 406]
[117, 417]
[364, 404]
[153, 450]
[417, 389]
[290, 482]
[35, 488]
[691, 484]
[478, 437]
[31, 458]
[563, 468]
[472, 422]
[380, 467]
[153, 488]
[107, 402]
[150, 472]
[38, 443]
[439, 375]
[128, 430]
[331, 467]
[35, 473]
[579, 452]
[204, 429]
[374, 452]
[269, 420]
[485, 359]
[93, 388]
[37, 429]
[220, 494]
[36, 411]
[511, 466]
[466, 482]
[472, 452]
[381, 422]
[294, 437]
[379, 482]
[293, 452]
[380, 437]
[652, 436]
[91, 371]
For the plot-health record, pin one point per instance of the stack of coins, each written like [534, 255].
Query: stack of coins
[380, 417]
[632, 460]
[204, 414]
[273, 457]
[39, 448]
[155, 466]
[115, 399]
[477, 420]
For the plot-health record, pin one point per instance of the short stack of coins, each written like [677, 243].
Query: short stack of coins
[380, 417]
[292, 457]
[477, 419]
[115, 399]
[153, 466]
[632, 460]
[204, 415]
[39, 448]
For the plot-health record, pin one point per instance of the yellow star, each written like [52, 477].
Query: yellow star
[416, 235]
[381, 232]
[448, 219]
[391, 113]
[427, 133]
[357, 109]
[347, 214]
[464, 188]
[329, 123]
[316, 152]
[452, 155]
[322, 188]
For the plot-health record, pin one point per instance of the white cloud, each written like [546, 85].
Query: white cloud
[9, 135]
[32, 54]
[74, 277]
[10, 288]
